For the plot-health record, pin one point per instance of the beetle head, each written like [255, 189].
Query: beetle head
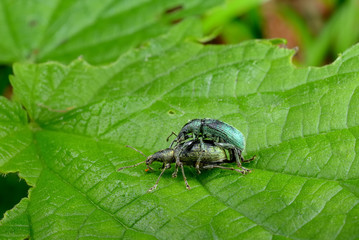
[165, 156]
[192, 127]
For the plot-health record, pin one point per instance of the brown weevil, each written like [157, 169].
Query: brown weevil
[205, 155]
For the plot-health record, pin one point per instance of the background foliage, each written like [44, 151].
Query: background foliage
[65, 130]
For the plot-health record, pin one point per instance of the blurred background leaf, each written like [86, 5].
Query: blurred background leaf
[321, 29]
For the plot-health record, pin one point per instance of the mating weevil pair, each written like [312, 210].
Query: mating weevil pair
[203, 144]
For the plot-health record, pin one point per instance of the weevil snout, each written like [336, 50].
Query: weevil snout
[149, 160]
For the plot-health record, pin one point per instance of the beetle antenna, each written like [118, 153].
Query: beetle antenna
[136, 150]
[135, 165]
[172, 133]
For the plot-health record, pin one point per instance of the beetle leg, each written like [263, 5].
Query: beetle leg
[237, 153]
[174, 174]
[163, 166]
[200, 138]
[175, 140]
[239, 160]
[246, 169]
[202, 144]
[198, 162]
[242, 170]
[184, 177]
[201, 152]
[159, 177]
[238, 157]
[177, 156]
[248, 160]
[185, 146]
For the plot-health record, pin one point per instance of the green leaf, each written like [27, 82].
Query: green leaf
[225, 13]
[99, 31]
[301, 123]
[16, 225]
[337, 34]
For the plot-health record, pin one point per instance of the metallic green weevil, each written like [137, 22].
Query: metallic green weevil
[210, 156]
[223, 135]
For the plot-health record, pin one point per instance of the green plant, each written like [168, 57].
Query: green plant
[99, 31]
[69, 138]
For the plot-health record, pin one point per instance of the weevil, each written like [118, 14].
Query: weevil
[212, 156]
[223, 135]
